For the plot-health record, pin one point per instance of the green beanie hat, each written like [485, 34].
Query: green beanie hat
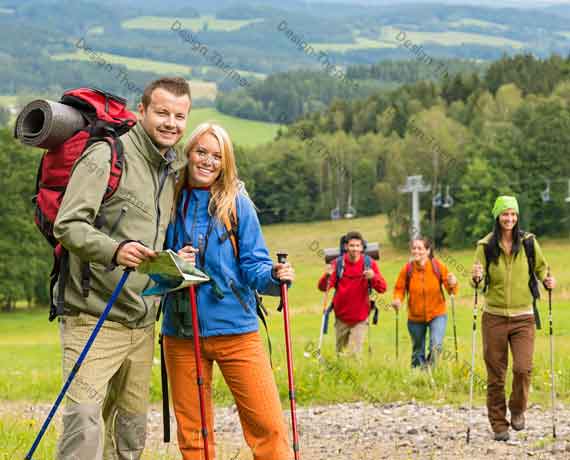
[503, 203]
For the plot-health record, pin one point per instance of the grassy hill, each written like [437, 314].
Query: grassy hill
[195, 24]
[243, 132]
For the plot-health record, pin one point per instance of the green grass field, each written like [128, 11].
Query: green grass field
[144, 65]
[477, 23]
[30, 352]
[242, 131]
[195, 24]
[8, 100]
[359, 44]
[451, 38]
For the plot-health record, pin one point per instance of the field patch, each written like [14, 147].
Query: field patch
[144, 65]
[466, 22]
[360, 43]
[195, 24]
[398, 36]
[242, 131]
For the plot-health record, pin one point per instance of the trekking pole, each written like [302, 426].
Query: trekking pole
[199, 375]
[79, 361]
[324, 322]
[452, 300]
[282, 258]
[397, 333]
[471, 375]
[552, 390]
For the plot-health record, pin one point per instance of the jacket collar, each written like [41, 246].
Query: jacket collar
[142, 141]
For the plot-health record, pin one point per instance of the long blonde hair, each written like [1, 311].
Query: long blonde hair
[226, 187]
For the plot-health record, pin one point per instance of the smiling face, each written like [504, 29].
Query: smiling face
[204, 161]
[508, 219]
[355, 249]
[164, 118]
[419, 251]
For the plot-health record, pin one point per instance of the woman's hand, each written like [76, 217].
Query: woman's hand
[396, 304]
[188, 253]
[477, 272]
[283, 272]
[451, 280]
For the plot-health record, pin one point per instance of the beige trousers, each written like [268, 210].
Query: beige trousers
[107, 403]
[350, 336]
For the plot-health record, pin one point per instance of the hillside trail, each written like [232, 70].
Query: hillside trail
[359, 431]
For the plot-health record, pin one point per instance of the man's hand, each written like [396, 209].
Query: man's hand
[329, 269]
[549, 282]
[396, 304]
[369, 274]
[188, 253]
[133, 253]
[451, 280]
[477, 272]
[283, 272]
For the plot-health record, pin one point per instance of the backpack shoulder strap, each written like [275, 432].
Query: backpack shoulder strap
[487, 252]
[231, 225]
[409, 269]
[437, 270]
[368, 266]
[528, 245]
[339, 270]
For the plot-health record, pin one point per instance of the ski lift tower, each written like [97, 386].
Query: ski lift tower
[415, 185]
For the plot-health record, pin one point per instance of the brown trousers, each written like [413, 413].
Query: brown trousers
[247, 372]
[498, 333]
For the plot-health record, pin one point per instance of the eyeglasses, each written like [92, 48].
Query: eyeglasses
[215, 158]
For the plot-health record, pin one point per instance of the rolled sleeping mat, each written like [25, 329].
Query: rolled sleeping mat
[47, 124]
[372, 250]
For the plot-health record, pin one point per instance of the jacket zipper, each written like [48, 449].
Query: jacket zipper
[424, 295]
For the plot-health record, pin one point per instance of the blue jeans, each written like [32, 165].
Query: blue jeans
[418, 333]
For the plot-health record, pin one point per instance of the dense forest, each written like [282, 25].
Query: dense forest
[469, 137]
[284, 97]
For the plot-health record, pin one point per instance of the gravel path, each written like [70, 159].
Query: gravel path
[355, 431]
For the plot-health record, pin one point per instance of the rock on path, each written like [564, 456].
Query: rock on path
[359, 431]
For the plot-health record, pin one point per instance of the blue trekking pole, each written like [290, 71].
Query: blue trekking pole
[79, 362]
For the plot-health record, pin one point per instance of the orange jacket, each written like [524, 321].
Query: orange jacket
[425, 300]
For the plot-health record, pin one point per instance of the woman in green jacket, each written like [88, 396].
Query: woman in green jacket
[501, 266]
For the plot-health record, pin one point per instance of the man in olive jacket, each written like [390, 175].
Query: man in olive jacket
[106, 406]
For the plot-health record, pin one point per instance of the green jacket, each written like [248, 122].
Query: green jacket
[140, 210]
[508, 293]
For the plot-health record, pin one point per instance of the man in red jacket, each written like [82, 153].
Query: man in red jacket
[352, 281]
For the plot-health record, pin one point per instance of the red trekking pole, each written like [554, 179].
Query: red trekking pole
[282, 258]
[198, 359]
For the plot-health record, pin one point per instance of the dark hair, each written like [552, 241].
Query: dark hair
[354, 236]
[493, 245]
[427, 244]
[175, 85]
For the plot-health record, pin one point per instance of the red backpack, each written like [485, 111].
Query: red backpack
[107, 118]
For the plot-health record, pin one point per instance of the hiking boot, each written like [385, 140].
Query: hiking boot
[517, 421]
[502, 436]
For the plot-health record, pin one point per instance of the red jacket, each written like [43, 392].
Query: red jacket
[351, 302]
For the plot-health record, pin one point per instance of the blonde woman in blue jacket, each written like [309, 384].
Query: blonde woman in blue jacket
[208, 193]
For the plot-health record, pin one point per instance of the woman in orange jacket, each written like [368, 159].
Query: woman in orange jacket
[423, 280]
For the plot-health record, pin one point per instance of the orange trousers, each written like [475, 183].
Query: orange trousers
[248, 374]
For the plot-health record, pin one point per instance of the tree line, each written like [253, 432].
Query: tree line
[504, 132]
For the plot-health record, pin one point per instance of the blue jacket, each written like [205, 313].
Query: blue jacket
[216, 315]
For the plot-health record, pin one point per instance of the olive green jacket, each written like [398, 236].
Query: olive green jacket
[139, 210]
[508, 293]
